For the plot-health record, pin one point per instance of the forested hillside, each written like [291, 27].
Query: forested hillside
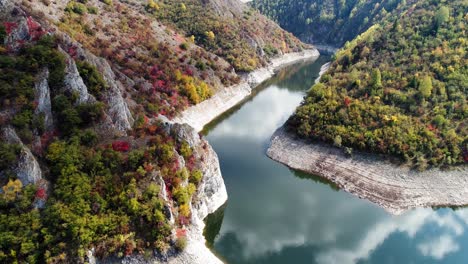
[398, 89]
[329, 22]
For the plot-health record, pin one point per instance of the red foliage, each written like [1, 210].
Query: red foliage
[129, 247]
[35, 29]
[121, 146]
[188, 71]
[191, 163]
[184, 220]
[148, 167]
[181, 232]
[347, 101]
[431, 127]
[10, 26]
[73, 52]
[41, 194]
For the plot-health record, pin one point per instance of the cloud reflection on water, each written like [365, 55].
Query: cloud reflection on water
[265, 115]
[274, 217]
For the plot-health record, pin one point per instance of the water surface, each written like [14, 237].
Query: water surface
[277, 215]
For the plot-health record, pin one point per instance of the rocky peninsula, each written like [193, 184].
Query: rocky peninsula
[396, 188]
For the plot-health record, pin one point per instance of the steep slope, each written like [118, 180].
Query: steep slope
[91, 166]
[329, 22]
[398, 89]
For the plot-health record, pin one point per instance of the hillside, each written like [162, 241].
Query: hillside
[398, 89]
[91, 165]
[328, 22]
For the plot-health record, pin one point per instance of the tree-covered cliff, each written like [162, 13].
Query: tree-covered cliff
[89, 164]
[398, 89]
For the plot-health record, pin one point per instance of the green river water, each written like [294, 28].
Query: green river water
[277, 215]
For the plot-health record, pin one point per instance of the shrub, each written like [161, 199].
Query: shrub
[120, 146]
[181, 243]
[92, 78]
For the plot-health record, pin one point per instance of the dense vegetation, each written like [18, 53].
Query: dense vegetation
[398, 89]
[329, 21]
[102, 190]
[227, 35]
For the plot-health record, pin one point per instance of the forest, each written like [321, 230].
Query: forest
[328, 22]
[398, 89]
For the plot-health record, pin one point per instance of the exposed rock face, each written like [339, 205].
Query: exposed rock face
[395, 188]
[19, 35]
[27, 170]
[118, 109]
[323, 70]
[201, 114]
[74, 83]
[211, 195]
[44, 105]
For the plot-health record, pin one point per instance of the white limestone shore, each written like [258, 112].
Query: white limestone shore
[201, 114]
[393, 187]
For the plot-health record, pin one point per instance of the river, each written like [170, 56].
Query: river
[277, 215]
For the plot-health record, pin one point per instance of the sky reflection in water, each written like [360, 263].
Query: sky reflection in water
[276, 215]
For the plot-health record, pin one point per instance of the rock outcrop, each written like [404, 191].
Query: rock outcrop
[74, 83]
[201, 114]
[210, 196]
[44, 105]
[118, 108]
[27, 169]
[395, 188]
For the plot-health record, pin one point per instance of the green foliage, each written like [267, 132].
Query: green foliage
[396, 89]
[223, 35]
[425, 87]
[92, 78]
[9, 154]
[181, 243]
[3, 34]
[20, 228]
[442, 15]
[328, 21]
[76, 7]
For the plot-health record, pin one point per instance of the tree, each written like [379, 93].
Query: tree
[376, 80]
[441, 16]
[425, 87]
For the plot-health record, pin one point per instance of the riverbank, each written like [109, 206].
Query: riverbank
[201, 114]
[393, 187]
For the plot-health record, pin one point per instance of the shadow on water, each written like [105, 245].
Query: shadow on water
[315, 178]
[213, 224]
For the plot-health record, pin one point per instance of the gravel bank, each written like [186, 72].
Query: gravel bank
[395, 188]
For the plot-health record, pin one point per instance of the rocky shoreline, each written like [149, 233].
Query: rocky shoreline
[201, 114]
[395, 188]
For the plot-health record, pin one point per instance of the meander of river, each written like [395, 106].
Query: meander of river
[277, 215]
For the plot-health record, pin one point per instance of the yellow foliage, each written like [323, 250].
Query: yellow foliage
[210, 35]
[153, 5]
[195, 89]
[12, 189]
[184, 210]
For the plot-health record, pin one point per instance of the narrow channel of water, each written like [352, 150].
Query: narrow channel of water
[276, 215]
